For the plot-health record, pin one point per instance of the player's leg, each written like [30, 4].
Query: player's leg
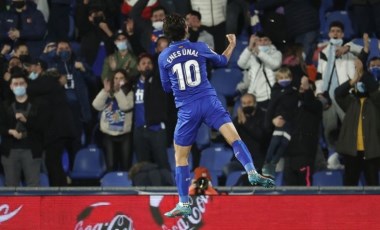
[182, 178]
[242, 153]
[184, 136]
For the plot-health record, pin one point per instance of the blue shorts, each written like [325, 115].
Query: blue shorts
[190, 116]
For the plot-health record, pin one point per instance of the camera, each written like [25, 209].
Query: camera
[202, 185]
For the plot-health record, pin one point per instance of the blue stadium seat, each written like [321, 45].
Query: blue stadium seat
[279, 178]
[203, 139]
[326, 6]
[215, 158]
[44, 180]
[89, 163]
[222, 99]
[225, 80]
[233, 177]
[373, 46]
[65, 161]
[328, 178]
[235, 109]
[2, 182]
[341, 16]
[119, 179]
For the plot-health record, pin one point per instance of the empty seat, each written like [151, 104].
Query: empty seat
[328, 178]
[89, 163]
[233, 177]
[116, 179]
[215, 158]
[225, 80]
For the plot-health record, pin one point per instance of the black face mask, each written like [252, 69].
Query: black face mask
[98, 20]
[24, 58]
[19, 4]
[248, 110]
[193, 35]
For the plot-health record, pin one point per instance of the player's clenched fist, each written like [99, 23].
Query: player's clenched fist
[231, 38]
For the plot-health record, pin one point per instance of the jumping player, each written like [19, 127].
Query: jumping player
[183, 71]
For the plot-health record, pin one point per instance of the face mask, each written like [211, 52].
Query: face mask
[264, 48]
[248, 109]
[375, 71]
[19, 91]
[18, 4]
[52, 53]
[147, 73]
[33, 76]
[336, 42]
[64, 55]
[158, 25]
[121, 46]
[360, 87]
[284, 82]
[98, 19]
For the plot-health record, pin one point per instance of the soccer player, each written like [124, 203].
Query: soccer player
[183, 72]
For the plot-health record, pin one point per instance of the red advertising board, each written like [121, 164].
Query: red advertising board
[209, 212]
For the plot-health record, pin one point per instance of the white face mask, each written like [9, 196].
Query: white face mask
[158, 25]
[336, 41]
[263, 48]
[122, 45]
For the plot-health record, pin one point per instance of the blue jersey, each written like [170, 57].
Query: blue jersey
[183, 70]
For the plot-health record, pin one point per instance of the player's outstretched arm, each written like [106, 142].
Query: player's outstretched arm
[231, 46]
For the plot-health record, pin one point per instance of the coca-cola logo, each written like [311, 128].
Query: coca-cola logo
[88, 219]
[5, 214]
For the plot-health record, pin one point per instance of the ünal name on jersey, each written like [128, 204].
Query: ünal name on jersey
[183, 52]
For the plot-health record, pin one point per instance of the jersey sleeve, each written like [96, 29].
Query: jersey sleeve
[216, 59]
[165, 79]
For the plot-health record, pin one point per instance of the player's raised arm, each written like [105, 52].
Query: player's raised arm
[231, 46]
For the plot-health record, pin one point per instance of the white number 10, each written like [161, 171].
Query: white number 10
[182, 75]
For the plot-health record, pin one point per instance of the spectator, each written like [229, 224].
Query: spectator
[23, 22]
[93, 30]
[300, 156]
[214, 19]
[293, 58]
[122, 59]
[73, 74]
[6, 92]
[365, 18]
[374, 68]
[250, 126]
[22, 135]
[260, 59]
[334, 68]
[280, 114]
[59, 129]
[59, 20]
[301, 20]
[151, 29]
[359, 138]
[150, 114]
[115, 102]
[197, 32]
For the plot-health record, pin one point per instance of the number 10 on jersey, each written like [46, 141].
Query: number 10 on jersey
[183, 72]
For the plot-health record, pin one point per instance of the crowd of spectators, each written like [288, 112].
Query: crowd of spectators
[81, 72]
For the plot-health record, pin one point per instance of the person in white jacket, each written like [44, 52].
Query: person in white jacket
[115, 102]
[335, 66]
[259, 60]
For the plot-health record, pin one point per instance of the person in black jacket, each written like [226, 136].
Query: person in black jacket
[22, 135]
[59, 130]
[283, 103]
[359, 137]
[250, 125]
[150, 114]
[302, 149]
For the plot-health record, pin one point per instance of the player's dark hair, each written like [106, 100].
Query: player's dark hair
[175, 27]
